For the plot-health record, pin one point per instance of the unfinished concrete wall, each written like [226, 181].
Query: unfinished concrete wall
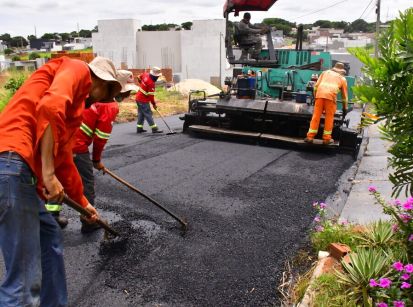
[116, 40]
[159, 48]
[202, 57]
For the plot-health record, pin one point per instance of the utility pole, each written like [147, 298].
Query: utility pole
[35, 32]
[376, 46]
[220, 60]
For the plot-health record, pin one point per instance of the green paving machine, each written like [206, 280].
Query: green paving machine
[269, 98]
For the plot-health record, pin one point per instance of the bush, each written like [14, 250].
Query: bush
[15, 58]
[389, 88]
[8, 51]
[34, 56]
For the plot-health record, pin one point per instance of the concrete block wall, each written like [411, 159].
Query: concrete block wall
[116, 40]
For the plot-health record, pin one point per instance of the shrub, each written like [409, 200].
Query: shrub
[388, 86]
[8, 51]
[15, 58]
[34, 56]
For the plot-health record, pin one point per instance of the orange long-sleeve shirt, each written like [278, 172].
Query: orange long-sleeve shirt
[329, 85]
[54, 95]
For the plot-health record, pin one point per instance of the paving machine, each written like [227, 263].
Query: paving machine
[269, 99]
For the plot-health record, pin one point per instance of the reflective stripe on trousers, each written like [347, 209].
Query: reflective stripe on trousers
[330, 107]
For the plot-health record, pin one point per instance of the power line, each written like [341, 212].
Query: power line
[366, 9]
[323, 9]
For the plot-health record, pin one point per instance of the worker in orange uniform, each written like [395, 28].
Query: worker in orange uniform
[96, 128]
[37, 128]
[328, 85]
[146, 95]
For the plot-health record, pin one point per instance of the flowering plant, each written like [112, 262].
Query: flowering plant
[402, 216]
[396, 290]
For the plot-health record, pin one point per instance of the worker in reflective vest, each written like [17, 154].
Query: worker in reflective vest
[96, 128]
[146, 95]
[330, 83]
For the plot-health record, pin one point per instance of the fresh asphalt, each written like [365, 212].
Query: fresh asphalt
[248, 208]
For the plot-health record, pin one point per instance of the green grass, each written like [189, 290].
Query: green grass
[335, 234]
[328, 293]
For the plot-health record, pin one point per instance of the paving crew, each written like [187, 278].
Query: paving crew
[328, 85]
[146, 95]
[37, 130]
[96, 128]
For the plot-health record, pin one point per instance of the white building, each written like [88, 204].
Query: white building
[196, 53]
[116, 40]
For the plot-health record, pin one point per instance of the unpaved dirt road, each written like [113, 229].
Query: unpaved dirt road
[248, 207]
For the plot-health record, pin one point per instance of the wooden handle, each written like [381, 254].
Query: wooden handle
[74, 205]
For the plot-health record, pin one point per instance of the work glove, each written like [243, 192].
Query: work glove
[98, 165]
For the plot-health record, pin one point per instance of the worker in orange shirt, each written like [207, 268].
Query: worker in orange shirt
[36, 164]
[329, 84]
[95, 130]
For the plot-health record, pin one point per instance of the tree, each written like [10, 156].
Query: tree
[8, 51]
[85, 33]
[48, 36]
[323, 24]
[65, 36]
[18, 41]
[280, 24]
[159, 27]
[6, 38]
[95, 29]
[31, 37]
[340, 24]
[187, 25]
[389, 89]
[360, 25]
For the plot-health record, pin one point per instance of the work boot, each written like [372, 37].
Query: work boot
[309, 140]
[156, 130]
[140, 130]
[61, 220]
[88, 227]
[328, 142]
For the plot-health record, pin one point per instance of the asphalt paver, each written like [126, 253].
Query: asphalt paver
[248, 208]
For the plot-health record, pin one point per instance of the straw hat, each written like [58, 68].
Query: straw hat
[339, 68]
[125, 77]
[155, 71]
[104, 69]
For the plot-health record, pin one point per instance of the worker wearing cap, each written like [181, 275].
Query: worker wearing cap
[146, 95]
[328, 85]
[95, 129]
[37, 129]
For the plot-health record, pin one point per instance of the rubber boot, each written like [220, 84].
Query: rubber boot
[88, 227]
[308, 140]
[61, 220]
[156, 130]
[328, 142]
[140, 130]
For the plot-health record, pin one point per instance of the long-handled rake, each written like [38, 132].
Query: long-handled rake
[163, 119]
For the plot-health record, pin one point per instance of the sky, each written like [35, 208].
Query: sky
[25, 17]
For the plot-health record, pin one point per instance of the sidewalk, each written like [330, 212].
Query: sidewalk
[360, 206]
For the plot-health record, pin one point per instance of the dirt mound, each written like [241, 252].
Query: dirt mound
[186, 86]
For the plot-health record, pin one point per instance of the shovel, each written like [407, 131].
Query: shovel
[182, 222]
[169, 128]
[74, 205]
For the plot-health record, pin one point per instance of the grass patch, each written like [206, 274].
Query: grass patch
[168, 102]
[329, 293]
[346, 234]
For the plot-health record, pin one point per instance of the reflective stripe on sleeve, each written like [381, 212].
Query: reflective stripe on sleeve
[146, 93]
[86, 129]
[53, 207]
[102, 135]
